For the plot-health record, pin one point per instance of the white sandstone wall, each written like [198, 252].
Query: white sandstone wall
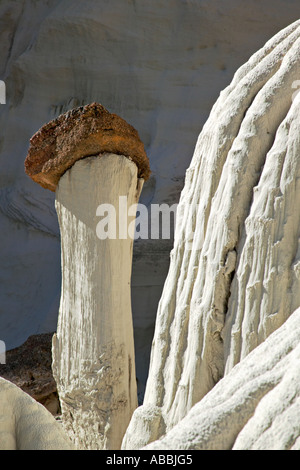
[233, 276]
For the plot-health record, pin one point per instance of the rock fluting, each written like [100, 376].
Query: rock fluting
[234, 270]
[254, 407]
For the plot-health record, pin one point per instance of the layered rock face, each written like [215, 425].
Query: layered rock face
[234, 270]
[158, 64]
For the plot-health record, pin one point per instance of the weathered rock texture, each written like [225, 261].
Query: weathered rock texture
[93, 350]
[254, 407]
[160, 65]
[26, 424]
[29, 367]
[82, 132]
[234, 270]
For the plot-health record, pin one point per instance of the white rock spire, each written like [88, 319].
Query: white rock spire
[90, 158]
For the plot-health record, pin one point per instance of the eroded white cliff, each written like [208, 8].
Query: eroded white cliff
[255, 407]
[233, 276]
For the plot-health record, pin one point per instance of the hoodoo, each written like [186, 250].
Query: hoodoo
[90, 157]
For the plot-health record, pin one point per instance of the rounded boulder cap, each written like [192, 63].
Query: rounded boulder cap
[85, 131]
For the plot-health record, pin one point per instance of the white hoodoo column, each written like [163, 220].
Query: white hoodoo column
[93, 350]
[96, 164]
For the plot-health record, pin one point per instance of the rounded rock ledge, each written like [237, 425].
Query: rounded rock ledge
[82, 132]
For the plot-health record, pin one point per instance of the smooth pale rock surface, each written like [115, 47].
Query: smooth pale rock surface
[26, 424]
[233, 276]
[255, 407]
[93, 349]
[160, 65]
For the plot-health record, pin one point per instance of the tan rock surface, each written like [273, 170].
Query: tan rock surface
[79, 133]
